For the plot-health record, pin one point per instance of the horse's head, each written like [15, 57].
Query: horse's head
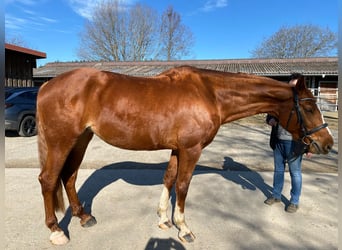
[304, 120]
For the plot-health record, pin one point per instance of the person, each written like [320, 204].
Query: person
[283, 146]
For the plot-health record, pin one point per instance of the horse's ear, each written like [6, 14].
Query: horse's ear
[301, 83]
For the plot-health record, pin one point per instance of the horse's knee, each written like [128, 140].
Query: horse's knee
[182, 189]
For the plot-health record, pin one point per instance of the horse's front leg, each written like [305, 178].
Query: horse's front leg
[187, 162]
[169, 180]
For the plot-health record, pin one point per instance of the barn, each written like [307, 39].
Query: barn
[321, 73]
[19, 64]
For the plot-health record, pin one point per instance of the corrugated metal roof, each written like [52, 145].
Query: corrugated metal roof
[267, 67]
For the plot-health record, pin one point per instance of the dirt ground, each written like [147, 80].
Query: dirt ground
[225, 206]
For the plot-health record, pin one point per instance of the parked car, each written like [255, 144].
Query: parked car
[20, 110]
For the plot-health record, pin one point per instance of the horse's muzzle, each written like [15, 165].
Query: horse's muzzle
[316, 148]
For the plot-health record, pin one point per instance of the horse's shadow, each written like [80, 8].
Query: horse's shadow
[133, 173]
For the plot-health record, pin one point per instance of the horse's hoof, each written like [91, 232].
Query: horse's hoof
[58, 238]
[91, 221]
[165, 225]
[190, 237]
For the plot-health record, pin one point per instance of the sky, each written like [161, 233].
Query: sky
[223, 29]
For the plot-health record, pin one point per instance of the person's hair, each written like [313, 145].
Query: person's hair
[295, 76]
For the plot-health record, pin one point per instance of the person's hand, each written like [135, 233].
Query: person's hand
[272, 122]
[308, 155]
[293, 82]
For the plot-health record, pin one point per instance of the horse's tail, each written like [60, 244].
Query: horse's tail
[42, 151]
[59, 200]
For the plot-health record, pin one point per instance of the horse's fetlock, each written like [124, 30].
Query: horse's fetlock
[77, 210]
[52, 225]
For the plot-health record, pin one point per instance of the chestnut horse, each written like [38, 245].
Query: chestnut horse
[180, 109]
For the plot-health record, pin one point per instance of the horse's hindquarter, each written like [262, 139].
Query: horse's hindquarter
[62, 102]
[133, 113]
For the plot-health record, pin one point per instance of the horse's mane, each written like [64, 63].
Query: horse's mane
[186, 70]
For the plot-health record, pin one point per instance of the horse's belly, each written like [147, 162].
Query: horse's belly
[150, 131]
[136, 140]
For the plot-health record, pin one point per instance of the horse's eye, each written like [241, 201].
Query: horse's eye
[308, 110]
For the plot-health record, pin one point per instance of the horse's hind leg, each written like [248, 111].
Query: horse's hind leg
[52, 191]
[169, 179]
[53, 157]
[69, 175]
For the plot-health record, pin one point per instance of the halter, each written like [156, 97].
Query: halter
[305, 133]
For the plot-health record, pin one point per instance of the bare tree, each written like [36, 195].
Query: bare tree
[16, 40]
[142, 32]
[176, 39]
[116, 34]
[99, 40]
[298, 41]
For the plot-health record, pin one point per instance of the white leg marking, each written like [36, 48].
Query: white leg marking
[185, 233]
[179, 219]
[164, 222]
[58, 238]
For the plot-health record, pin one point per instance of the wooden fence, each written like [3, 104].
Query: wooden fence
[327, 98]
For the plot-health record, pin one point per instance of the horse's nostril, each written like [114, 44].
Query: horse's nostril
[328, 147]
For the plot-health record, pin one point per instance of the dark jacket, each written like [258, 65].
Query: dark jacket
[298, 147]
[274, 131]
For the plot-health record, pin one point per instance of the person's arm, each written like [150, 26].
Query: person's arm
[271, 120]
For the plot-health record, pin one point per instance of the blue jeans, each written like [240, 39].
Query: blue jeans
[282, 155]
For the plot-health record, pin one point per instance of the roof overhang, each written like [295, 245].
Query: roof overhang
[265, 67]
[35, 53]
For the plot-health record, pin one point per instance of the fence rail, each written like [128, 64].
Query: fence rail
[327, 98]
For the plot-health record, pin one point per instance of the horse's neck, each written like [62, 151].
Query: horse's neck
[250, 97]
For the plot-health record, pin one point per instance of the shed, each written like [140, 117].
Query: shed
[19, 64]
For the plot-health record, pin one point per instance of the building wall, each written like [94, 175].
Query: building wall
[18, 69]
[324, 88]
